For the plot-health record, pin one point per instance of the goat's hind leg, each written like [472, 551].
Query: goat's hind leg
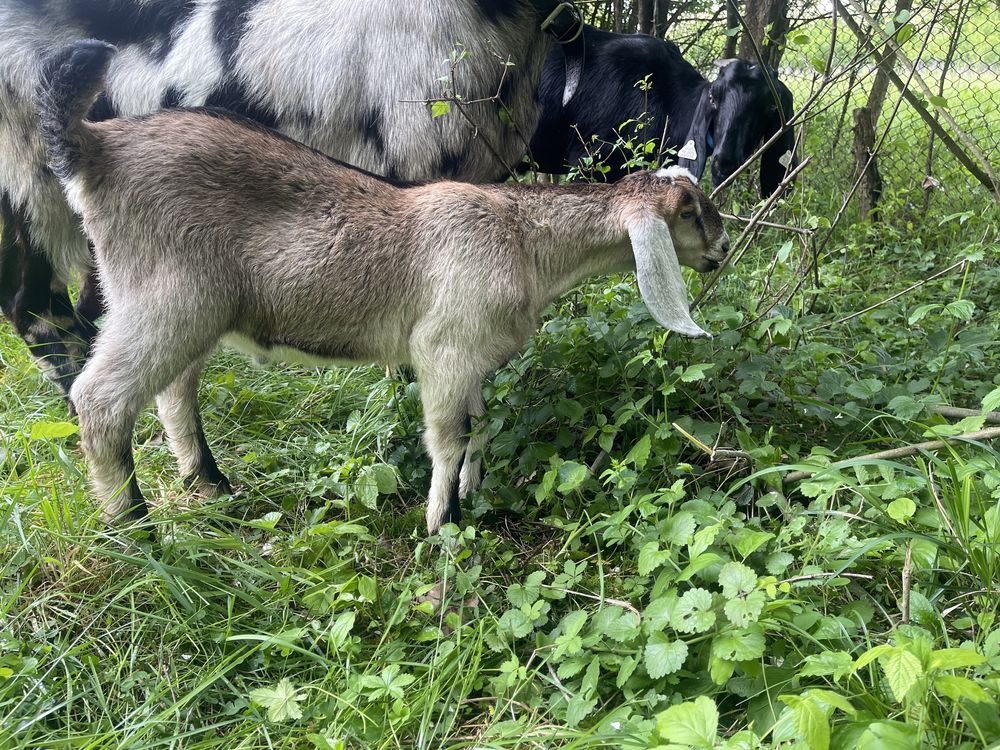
[446, 415]
[177, 407]
[133, 360]
[472, 469]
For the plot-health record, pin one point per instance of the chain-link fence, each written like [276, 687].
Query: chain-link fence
[937, 148]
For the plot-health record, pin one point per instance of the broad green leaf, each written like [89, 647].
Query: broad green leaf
[889, 735]
[735, 579]
[439, 109]
[961, 309]
[836, 664]
[744, 610]
[902, 670]
[694, 723]
[740, 645]
[695, 372]
[281, 701]
[679, 529]
[663, 655]
[693, 613]
[651, 557]
[639, 454]
[748, 541]
[955, 658]
[341, 629]
[571, 476]
[901, 509]
[866, 388]
[832, 699]
[698, 563]
[578, 709]
[516, 622]
[922, 312]
[961, 688]
[905, 407]
[871, 655]
[573, 622]
[659, 612]
[622, 629]
[521, 596]
[52, 430]
[626, 670]
[991, 401]
[720, 670]
[809, 721]
[702, 540]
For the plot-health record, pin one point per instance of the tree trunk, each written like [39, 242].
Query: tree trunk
[864, 132]
[652, 17]
[733, 29]
[881, 84]
[870, 189]
[767, 24]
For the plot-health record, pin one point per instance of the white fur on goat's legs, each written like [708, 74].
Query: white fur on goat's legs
[445, 400]
[472, 473]
[123, 375]
[106, 441]
[177, 406]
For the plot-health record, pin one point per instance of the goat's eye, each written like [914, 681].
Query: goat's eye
[687, 215]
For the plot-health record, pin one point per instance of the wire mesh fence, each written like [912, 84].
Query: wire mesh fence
[929, 145]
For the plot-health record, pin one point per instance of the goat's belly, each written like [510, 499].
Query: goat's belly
[289, 351]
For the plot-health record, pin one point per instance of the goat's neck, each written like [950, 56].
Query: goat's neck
[576, 233]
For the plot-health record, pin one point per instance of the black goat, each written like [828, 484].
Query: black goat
[727, 118]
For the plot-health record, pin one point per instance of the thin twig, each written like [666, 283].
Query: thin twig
[604, 600]
[907, 568]
[734, 256]
[902, 452]
[897, 295]
[814, 576]
[955, 412]
[786, 227]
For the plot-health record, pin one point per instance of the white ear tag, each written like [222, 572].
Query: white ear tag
[688, 152]
[786, 159]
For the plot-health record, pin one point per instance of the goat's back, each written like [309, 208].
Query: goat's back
[239, 229]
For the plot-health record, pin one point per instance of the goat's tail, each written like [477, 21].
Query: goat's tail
[71, 80]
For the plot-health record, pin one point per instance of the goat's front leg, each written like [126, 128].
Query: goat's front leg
[177, 407]
[37, 303]
[446, 415]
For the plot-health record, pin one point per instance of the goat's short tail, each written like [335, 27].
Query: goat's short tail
[71, 81]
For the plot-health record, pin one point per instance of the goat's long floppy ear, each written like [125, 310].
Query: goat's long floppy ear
[780, 158]
[659, 275]
[694, 153]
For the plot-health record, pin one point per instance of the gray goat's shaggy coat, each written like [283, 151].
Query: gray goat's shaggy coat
[346, 77]
[207, 226]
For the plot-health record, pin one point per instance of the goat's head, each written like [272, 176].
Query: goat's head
[736, 113]
[671, 222]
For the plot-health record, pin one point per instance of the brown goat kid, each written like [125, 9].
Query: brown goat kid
[207, 227]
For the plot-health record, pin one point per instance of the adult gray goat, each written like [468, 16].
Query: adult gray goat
[208, 226]
[333, 74]
[726, 119]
